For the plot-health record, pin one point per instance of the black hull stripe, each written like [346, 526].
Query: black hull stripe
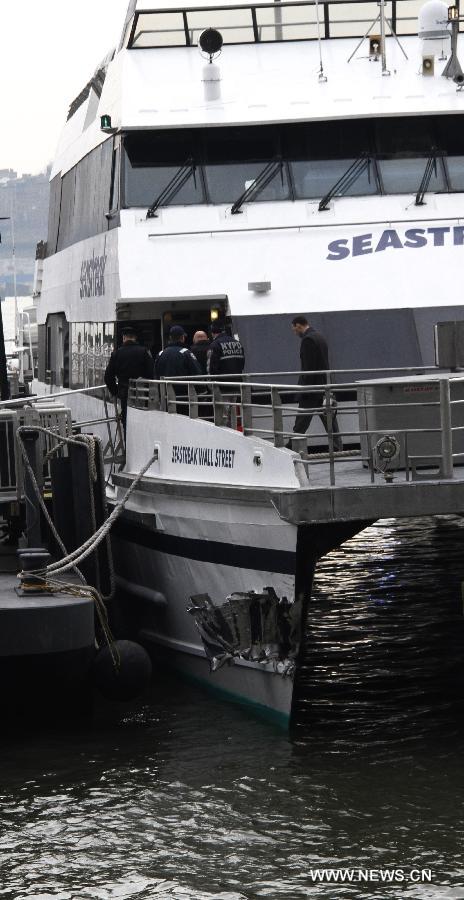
[237, 556]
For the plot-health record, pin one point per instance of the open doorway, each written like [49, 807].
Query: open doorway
[148, 333]
[153, 320]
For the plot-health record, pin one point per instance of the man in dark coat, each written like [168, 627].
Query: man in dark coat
[314, 358]
[199, 348]
[131, 360]
[176, 360]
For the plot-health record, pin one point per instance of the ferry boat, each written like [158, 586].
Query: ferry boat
[249, 162]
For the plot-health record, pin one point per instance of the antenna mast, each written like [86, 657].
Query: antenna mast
[321, 77]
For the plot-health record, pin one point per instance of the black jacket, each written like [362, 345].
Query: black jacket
[314, 355]
[200, 352]
[174, 360]
[226, 356]
[131, 360]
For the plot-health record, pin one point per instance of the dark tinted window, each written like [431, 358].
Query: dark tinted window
[326, 140]
[413, 135]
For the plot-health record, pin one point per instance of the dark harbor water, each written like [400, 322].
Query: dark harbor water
[181, 796]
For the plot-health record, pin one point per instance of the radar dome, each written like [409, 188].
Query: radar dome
[433, 21]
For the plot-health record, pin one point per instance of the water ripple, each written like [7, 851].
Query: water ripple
[185, 798]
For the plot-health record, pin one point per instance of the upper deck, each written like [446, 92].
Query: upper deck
[269, 70]
[180, 25]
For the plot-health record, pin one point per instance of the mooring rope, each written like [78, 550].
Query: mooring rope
[70, 560]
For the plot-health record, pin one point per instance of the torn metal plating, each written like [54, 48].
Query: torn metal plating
[258, 627]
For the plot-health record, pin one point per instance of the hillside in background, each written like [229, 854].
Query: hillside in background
[25, 198]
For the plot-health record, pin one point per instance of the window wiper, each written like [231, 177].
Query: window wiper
[430, 169]
[348, 178]
[259, 183]
[175, 185]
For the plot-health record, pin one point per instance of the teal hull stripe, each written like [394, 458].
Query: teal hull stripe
[265, 712]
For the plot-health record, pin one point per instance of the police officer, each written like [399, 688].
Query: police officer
[131, 360]
[176, 360]
[226, 355]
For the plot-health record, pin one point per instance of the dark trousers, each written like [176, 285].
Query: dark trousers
[303, 420]
[123, 392]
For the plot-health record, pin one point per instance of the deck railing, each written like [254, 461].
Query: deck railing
[409, 425]
[423, 418]
[291, 20]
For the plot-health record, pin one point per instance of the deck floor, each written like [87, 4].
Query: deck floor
[350, 472]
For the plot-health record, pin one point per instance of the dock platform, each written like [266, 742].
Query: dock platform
[47, 645]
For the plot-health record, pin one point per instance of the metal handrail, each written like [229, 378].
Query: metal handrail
[254, 28]
[263, 410]
[232, 403]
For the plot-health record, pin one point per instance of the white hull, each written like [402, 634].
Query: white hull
[266, 693]
[184, 537]
[209, 544]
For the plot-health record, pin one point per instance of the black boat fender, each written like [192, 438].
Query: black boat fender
[121, 671]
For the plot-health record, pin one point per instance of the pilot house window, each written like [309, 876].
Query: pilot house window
[306, 160]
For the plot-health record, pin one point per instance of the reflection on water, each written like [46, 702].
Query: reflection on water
[185, 797]
[386, 633]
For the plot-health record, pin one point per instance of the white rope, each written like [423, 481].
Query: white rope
[62, 587]
[35, 485]
[92, 543]
[71, 559]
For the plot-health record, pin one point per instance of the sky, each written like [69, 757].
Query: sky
[49, 50]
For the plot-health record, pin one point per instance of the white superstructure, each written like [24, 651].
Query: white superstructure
[374, 270]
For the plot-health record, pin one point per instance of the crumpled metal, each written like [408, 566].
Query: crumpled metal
[259, 627]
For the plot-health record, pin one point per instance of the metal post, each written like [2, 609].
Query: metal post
[446, 432]
[171, 398]
[329, 421]
[385, 71]
[193, 401]
[218, 405]
[4, 386]
[247, 411]
[163, 396]
[34, 537]
[277, 419]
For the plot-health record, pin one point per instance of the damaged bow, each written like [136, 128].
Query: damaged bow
[258, 627]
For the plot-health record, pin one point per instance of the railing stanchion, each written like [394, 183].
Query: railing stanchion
[193, 401]
[247, 411]
[218, 405]
[277, 418]
[163, 396]
[171, 398]
[446, 433]
[330, 437]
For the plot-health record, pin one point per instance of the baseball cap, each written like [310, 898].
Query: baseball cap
[217, 327]
[177, 331]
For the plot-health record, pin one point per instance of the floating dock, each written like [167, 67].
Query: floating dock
[47, 646]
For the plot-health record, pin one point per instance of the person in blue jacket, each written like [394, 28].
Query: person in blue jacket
[176, 360]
